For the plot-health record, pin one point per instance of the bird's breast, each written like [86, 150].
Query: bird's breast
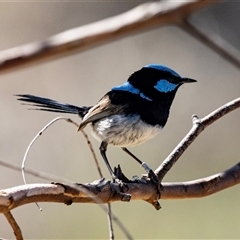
[124, 130]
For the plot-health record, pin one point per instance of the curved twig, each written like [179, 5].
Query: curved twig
[109, 212]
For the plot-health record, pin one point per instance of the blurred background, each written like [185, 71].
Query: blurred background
[82, 79]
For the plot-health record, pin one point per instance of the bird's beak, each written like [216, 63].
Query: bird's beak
[188, 80]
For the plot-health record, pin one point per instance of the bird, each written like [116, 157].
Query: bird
[127, 115]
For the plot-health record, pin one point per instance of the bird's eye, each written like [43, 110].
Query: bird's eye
[171, 79]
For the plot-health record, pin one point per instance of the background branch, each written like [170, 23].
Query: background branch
[213, 41]
[143, 17]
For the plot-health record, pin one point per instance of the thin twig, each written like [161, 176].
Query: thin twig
[42, 175]
[61, 180]
[16, 229]
[90, 147]
[36, 137]
[110, 222]
[220, 112]
[93, 153]
[172, 158]
[109, 212]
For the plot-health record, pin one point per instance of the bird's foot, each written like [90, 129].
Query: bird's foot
[121, 189]
[123, 186]
[154, 179]
[121, 180]
[120, 175]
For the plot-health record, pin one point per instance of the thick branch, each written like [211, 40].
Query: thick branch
[104, 191]
[141, 18]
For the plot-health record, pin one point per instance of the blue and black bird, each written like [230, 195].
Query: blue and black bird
[128, 114]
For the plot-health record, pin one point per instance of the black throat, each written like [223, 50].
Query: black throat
[154, 112]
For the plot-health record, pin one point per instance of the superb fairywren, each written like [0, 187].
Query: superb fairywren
[129, 114]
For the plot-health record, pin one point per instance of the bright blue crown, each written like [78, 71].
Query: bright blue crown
[163, 68]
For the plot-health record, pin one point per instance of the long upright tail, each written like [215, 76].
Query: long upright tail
[46, 104]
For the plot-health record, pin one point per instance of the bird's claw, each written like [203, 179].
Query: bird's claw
[154, 178]
[123, 186]
[123, 189]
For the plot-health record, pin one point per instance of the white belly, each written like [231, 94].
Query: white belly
[123, 131]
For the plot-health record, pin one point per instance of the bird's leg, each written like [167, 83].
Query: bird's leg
[124, 196]
[153, 177]
[132, 155]
[116, 178]
[103, 149]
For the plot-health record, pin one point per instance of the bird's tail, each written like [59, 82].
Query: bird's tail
[46, 104]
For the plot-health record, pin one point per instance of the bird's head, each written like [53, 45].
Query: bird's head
[154, 81]
[158, 78]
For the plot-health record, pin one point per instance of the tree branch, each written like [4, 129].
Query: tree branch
[213, 41]
[104, 191]
[16, 229]
[143, 17]
[198, 126]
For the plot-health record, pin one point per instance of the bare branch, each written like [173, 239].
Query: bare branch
[143, 17]
[110, 222]
[198, 126]
[106, 191]
[93, 153]
[214, 41]
[16, 229]
[203, 187]
[220, 112]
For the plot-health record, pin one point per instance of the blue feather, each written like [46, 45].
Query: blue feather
[127, 87]
[165, 86]
[163, 68]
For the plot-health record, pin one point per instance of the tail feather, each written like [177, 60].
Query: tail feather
[46, 104]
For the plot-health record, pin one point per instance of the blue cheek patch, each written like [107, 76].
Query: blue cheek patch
[165, 86]
[130, 88]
